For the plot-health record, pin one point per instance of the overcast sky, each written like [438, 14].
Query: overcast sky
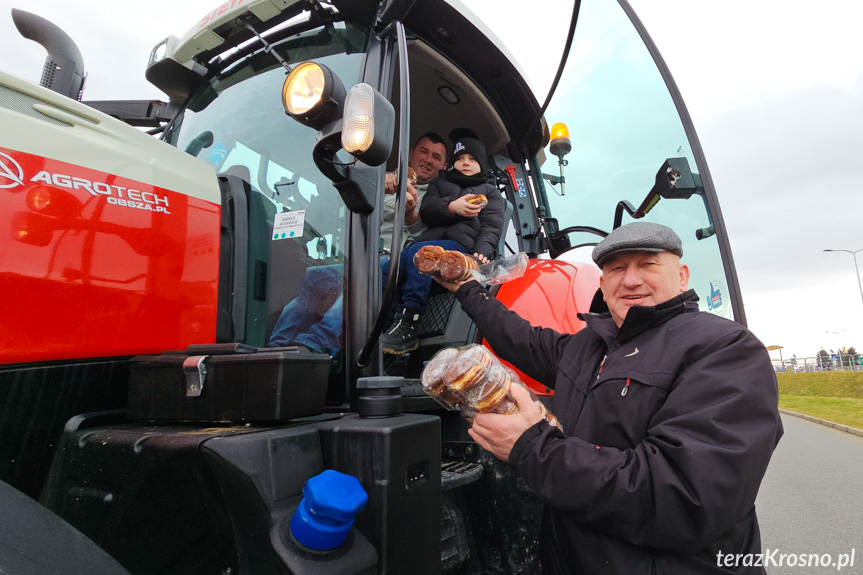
[774, 89]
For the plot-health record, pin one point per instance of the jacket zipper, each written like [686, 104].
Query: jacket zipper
[599, 371]
[625, 389]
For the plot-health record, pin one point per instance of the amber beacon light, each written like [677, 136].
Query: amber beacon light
[559, 146]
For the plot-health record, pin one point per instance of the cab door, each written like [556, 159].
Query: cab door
[626, 119]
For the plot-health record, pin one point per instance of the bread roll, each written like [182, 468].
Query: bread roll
[465, 374]
[456, 266]
[472, 379]
[478, 200]
[432, 377]
[427, 259]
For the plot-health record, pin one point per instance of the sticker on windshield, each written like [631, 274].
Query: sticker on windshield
[289, 225]
[717, 301]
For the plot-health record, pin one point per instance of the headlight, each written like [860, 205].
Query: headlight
[367, 128]
[313, 95]
[303, 88]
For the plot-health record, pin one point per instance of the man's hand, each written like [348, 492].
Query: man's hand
[498, 433]
[410, 199]
[464, 208]
[451, 286]
[411, 212]
[390, 183]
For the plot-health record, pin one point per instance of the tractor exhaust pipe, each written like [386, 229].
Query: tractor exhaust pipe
[64, 67]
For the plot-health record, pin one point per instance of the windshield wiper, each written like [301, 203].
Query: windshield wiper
[268, 48]
[315, 19]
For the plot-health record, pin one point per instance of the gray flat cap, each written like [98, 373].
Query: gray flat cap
[638, 237]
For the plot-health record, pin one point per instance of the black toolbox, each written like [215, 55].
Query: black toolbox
[228, 383]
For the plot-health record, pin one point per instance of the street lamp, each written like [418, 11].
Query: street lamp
[853, 255]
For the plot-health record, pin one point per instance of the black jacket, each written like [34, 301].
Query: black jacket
[663, 448]
[477, 235]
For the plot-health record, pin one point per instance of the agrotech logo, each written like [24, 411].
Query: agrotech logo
[11, 173]
[135, 195]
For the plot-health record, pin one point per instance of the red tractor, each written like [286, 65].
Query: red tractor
[143, 273]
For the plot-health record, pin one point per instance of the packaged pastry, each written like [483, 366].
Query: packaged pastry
[427, 259]
[432, 378]
[467, 373]
[549, 416]
[412, 176]
[456, 266]
[467, 413]
[473, 380]
[502, 269]
[478, 200]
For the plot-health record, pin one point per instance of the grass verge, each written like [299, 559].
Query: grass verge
[842, 410]
[824, 384]
[834, 396]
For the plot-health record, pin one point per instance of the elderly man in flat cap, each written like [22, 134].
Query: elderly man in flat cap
[669, 420]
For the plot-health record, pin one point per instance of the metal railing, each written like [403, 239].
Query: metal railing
[834, 362]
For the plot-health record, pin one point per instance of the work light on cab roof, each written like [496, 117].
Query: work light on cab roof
[367, 131]
[313, 95]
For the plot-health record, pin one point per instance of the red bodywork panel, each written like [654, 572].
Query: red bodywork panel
[95, 265]
[550, 294]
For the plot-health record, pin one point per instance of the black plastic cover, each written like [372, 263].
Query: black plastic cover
[379, 396]
[397, 460]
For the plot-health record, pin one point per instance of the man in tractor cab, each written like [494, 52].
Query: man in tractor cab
[669, 419]
[313, 319]
[453, 222]
[427, 157]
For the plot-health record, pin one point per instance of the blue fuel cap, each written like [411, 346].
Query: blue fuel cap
[326, 513]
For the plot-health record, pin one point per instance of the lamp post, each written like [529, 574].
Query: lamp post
[857, 269]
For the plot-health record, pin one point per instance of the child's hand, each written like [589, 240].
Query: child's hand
[464, 208]
[481, 258]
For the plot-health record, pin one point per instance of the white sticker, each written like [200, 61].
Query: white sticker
[289, 225]
[717, 301]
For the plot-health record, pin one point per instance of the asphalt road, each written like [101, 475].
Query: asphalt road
[811, 500]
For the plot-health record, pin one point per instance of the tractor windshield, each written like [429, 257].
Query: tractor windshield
[624, 124]
[296, 218]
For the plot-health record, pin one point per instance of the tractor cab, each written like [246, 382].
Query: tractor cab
[627, 149]
[323, 268]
